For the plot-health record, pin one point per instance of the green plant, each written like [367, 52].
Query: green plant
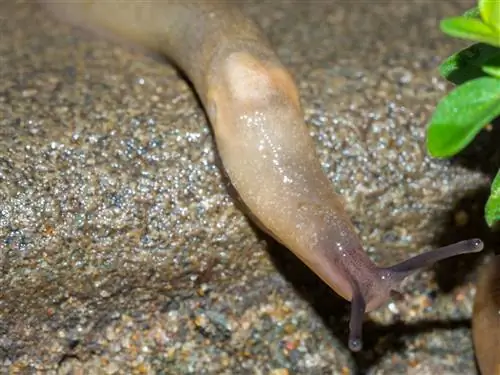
[475, 102]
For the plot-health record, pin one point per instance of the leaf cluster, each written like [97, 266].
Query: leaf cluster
[475, 102]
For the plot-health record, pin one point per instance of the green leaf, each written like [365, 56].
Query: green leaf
[492, 66]
[492, 71]
[472, 13]
[470, 28]
[490, 13]
[492, 209]
[461, 115]
[467, 63]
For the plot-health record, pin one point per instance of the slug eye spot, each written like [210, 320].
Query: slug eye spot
[355, 345]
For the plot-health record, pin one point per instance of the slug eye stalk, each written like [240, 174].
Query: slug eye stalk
[395, 274]
[400, 271]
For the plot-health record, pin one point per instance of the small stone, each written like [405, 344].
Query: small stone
[461, 218]
[29, 93]
[279, 371]
[112, 368]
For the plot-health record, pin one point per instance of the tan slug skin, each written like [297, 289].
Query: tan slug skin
[265, 147]
[486, 319]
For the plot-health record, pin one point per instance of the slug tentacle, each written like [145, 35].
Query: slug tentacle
[369, 292]
[398, 272]
[358, 307]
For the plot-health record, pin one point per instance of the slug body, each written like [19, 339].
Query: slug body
[486, 319]
[253, 105]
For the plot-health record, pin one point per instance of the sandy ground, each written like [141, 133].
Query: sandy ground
[122, 252]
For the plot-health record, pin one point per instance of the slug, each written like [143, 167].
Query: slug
[486, 319]
[253, 105]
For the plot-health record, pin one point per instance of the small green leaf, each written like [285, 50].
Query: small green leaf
[490, 13]
[470, 28]
[461, 115]
[492, 66]
[492, 209]
[492, 71]
[467, 63]
[472, 13]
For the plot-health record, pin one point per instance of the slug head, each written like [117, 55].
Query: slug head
[371, 292]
